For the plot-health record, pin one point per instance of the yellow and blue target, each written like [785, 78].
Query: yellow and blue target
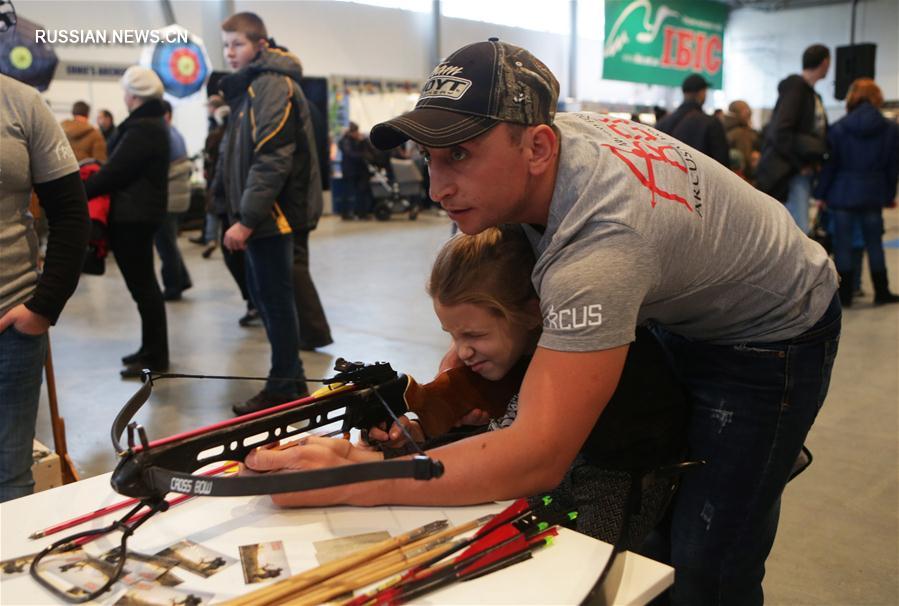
[181, 67]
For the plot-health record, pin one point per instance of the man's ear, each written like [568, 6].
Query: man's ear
[544, 148]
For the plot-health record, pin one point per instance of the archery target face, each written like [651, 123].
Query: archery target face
[181, 67]
[21, 58]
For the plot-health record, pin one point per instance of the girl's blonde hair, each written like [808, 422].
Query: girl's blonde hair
[491, 269]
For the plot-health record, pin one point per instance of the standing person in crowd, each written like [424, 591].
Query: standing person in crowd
[136, 178]
[36, 156]
[86, 141]
[355, 152]
[269, 172]
[106, 125]
[175, 277]
[741, 137]
[315, 331]
[857, 182]
[218, 206]
[693, 126]
[750, 324]
[214, 131]
[794, 144]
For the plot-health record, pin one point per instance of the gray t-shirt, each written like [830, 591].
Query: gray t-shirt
[33, 149]
[644, 228]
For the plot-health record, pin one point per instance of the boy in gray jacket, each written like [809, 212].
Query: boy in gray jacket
[269, 174]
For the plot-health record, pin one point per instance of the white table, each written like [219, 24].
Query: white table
[561, 574]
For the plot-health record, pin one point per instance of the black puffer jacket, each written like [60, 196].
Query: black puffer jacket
[268, 167]
[702, 132]
[136, 175]
[790, 140]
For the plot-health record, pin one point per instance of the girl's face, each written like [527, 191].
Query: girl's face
[486, 342]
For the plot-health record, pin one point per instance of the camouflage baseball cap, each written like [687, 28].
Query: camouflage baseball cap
[471, 91]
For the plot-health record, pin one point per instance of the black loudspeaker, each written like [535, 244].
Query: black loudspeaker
[853, 62]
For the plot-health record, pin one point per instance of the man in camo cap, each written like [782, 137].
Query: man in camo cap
[630, 227]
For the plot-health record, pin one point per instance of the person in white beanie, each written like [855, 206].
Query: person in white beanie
[136, 178]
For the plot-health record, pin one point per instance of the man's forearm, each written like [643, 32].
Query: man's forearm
[488, 467]
[65, 203]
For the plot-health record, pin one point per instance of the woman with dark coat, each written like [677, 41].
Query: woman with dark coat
[136, 177]
[856, 183]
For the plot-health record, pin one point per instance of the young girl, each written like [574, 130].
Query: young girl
[481, 290]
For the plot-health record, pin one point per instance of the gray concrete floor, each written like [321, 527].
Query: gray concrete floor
[839, 532]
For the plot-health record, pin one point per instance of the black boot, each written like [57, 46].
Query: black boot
[882, 294]
[846, 288]
[134, 370]
[132, 358]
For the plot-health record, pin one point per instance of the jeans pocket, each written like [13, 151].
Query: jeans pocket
[761, 350]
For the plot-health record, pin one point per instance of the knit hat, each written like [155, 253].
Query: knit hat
[142, 82]
[471, 91]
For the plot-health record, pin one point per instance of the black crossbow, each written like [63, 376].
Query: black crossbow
[360, 396]
[363, 396]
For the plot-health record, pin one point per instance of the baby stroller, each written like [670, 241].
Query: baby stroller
[397, 193]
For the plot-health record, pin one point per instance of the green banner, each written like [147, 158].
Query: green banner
[664, 41]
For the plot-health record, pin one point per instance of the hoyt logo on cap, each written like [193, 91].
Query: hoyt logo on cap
[471, 91]
[444, 83]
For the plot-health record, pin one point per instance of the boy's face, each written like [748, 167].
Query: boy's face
[239, 50]
[481, 182]
[486, 342]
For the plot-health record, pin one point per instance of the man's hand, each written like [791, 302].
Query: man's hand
[306, 454]
[236, 237]
[25, 321]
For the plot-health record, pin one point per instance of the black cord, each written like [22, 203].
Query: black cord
[172, 375]
[68, 544]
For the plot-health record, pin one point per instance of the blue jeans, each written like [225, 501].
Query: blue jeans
[845, 225]
[21, 367]
[269, 263]
[752, 406]
[798, 200]
[211, 227]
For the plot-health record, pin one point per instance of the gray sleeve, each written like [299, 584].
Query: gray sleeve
[592, 290]
[50, 154]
